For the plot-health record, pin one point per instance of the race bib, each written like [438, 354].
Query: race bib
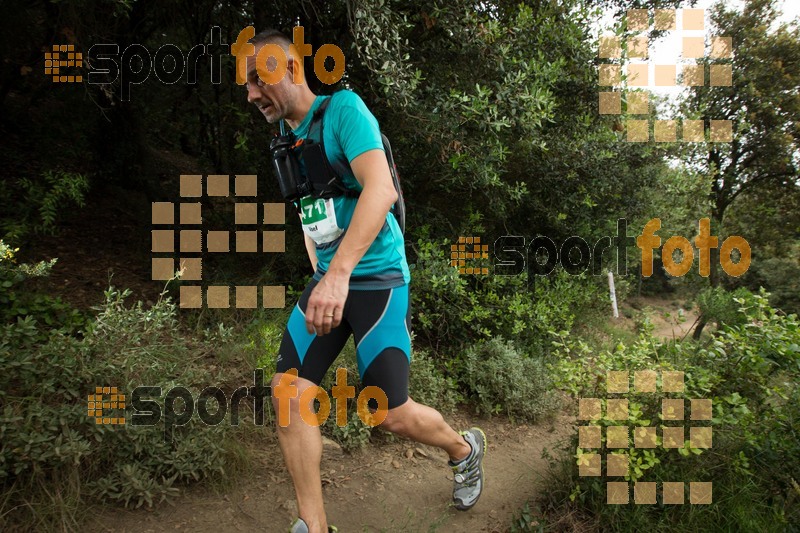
[319, 219]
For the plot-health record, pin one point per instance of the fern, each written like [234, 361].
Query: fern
[45, 200]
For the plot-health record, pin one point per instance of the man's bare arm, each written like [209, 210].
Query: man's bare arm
[377, 197]
[311, 248]
[372, 172]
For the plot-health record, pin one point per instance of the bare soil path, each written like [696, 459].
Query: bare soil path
[388, 486]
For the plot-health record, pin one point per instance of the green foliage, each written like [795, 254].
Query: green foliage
[42, 201]
[18, 302]
[429, 385]
[352, 436]
[267, 343]
[454, 310]
[505, 95]
[524, 522]
[781, 277]
[783, 282]
[644, 321]
[50, 446]
[500, 379]
[750, 371]
[760, 104]
[770, 219]
[382, 49]
[721, 306]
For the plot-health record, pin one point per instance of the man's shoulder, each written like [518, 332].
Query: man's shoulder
[349, 112]
[353, 127]
[347, 102]
[345, 97]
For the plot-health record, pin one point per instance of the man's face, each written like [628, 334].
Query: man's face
[273, 100]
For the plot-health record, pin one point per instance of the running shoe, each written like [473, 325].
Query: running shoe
[468, 473]
[300, 526]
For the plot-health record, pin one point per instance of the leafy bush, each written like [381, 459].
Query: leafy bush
[502, 380]
[16, 301]
[453, 310]
[41, 201]
[781, 277]
[49, 446]
[719, 306]
[352, 436]
[750, 371]
[266, 345]
[429, 386]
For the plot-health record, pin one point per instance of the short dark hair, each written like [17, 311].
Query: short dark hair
[271, 36]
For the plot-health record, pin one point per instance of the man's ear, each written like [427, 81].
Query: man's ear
[294, 68]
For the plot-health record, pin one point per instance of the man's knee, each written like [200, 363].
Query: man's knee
[287, 390]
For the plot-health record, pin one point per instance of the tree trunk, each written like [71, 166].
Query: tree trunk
[698, 330]
[720, 198]
[713, 275]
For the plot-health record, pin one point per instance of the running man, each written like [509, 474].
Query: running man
[360, 287]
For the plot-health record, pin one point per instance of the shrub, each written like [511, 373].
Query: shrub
[453, 311]
[750, 371]
[502, 380]
[429, 386]
[41, 201]
[16, 301]
[352, 436]
[719, 306]
[782, 278]
[54, 458]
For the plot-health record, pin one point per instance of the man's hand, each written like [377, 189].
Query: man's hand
[326, 303]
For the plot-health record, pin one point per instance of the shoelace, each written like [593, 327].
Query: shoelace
[469, 474]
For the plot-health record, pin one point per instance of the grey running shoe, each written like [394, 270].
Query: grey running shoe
[300, 526]
[468, 480]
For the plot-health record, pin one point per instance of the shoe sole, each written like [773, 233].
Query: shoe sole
[483, 476]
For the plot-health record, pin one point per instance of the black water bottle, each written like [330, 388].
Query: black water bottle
[286, 165]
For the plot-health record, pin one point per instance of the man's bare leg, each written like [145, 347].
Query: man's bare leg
[301, 445]
[427, 426]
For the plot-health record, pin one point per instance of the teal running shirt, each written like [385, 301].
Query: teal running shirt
[349, 130]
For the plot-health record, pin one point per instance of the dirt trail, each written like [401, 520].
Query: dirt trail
[667, 319]
[389, 486]
[386, 487]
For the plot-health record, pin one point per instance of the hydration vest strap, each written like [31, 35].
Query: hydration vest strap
[339, 169]
[315, 134]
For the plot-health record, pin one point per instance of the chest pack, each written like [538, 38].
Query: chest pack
[303, 169]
